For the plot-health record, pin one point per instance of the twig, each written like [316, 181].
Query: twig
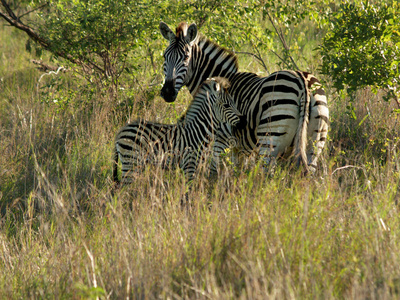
[45, 67]
[31, 11]
[155, 84]
[283, 60]
[52, 72]
[283, 41]
[262, 61]
[397, 101]
[62, 69]
[203, 20]
[256, 56]
[92, 264]
[346, 167]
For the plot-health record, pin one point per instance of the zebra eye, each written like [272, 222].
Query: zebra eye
[186, 57]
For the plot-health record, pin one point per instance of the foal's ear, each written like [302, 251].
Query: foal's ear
[217, 86]
[166, 32]
[191, 33]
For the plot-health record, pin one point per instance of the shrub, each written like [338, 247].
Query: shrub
[363, 47]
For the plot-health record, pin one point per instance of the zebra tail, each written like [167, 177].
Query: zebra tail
[115, 166]
[301, 138]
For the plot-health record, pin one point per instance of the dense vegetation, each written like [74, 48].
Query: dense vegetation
[65, 233]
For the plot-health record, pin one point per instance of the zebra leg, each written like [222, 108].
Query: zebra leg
[218, 149]
[268, 152]
[269, 165]
[188, 164]
[317, 128]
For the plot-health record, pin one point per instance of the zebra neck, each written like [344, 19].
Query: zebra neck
[210, 60]
[200, 129]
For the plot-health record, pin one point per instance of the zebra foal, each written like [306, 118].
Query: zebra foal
[209, 120]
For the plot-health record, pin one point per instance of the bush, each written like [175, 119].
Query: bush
[363, 47]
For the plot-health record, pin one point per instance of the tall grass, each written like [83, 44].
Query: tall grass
[65, 233]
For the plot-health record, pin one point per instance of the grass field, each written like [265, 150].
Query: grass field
[65, 234]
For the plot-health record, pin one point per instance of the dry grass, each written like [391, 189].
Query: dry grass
[65, 234]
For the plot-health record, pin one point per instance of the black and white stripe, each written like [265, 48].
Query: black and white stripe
[286, 111]
[208, 121]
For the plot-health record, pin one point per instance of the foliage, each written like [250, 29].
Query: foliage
[284, 29]
[113, 43]
[362, 47]
[97, 34]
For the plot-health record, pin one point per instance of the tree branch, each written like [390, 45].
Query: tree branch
[8, 9]
[12, 19]
[15, 21]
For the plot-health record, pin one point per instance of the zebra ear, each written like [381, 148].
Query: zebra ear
[166, 31]
[217, 86]
[191, 33]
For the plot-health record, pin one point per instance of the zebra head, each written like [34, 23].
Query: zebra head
[224, 107]
[176, 58]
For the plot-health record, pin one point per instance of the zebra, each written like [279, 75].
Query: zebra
[209, 120]
[286, 112]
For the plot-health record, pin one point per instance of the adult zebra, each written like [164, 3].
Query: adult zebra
[208, 120]
[283, 109]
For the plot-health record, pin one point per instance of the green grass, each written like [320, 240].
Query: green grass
[64, 233]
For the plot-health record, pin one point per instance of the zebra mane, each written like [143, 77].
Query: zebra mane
[202, 41]
[222, 81]
[181, 28]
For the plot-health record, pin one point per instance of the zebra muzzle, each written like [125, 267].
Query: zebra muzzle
[168, 91]
[242, 122]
